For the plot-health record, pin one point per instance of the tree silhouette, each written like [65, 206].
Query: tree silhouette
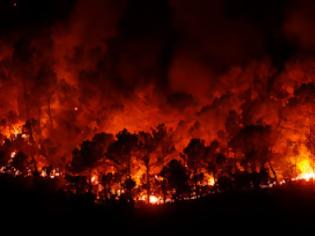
[107, 181]
[158, 142]
[79, 184]
[232, 124]
[146, 146]
[196, 152]
[20, 162]
[177, 179]
[29, 128]
[90, 152]
[128, 185]
[5, 152]
[122, 149]
[165, 143]
[254, 143]
[46, 81]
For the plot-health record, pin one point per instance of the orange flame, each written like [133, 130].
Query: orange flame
[306, 170]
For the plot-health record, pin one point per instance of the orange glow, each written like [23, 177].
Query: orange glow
[12, 130]
[304, 165]
[13, 154]
[306, 176]
[154, 200]
[55, 173]
[211, 181]
[43, 174]
[94, 179]
[306, 170]
[61, 113]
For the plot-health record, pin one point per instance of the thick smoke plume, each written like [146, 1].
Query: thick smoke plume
[208, 69]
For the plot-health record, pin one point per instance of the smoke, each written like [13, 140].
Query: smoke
[85, 67]
[299, 24]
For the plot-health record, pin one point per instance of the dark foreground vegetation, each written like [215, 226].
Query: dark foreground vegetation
[36, 207]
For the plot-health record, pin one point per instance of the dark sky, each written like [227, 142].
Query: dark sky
[30, 13]
[220, 33]
[262, 23]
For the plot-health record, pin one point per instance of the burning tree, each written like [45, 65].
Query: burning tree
[122, 150]
[196, 154]
[158, 143]
[20, 162]
[146, 146]
[176, 179]
[90, 152]
[254, 145]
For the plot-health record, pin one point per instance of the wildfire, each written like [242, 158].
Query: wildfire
[210, 181]
[12, 130]
[13, 154]
[154, 200]
[94, 179]
[306, 170]
[55, 173]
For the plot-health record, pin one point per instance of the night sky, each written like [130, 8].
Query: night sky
[233, 30]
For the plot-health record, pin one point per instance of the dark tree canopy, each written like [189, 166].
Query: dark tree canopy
[177, 178]
[196, 153]
[254, 143]
[20, 161]
[121, 149]
[90, 152]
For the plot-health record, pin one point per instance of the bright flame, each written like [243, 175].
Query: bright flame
[55, 173]
[211, 181]
[12, 130]
[43, 174]
[307, 176]
[306, 170]
[94, 179]
[305, 166]
[154, 200]
[13, 154]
